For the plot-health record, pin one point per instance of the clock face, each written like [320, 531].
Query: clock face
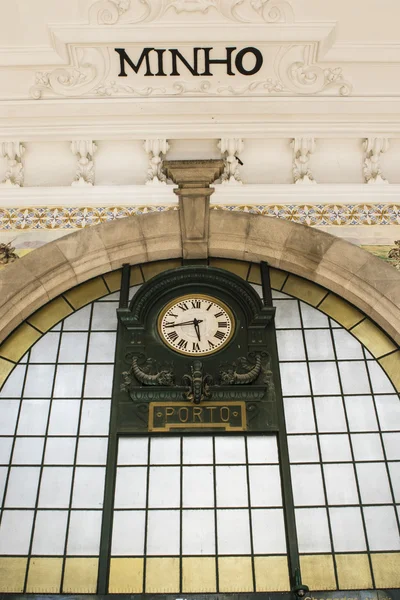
[196, 325]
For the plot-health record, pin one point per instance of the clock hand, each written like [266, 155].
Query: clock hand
[197, 328]
[180, 324]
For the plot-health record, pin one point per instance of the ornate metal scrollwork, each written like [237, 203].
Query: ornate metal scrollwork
[198, 384]
[143, 374]
[236, 374]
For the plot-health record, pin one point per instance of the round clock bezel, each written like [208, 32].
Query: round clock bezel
[209, 298]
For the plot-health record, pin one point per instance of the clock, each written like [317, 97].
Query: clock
[196, 324]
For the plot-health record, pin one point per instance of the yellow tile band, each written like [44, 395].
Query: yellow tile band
[136, 277]
[272, 574]
[198, 575]
[277, 278]
[12, 574]
[341, 311]
[386, 567]
[235, 574]
[162, 575]
[317, 571]
[391, 364]
[254, 275]
[5, 369]
[238, 267]
[17, 344]
[353, 571]
[46, 317]
[44, 576]
[80, 575]
[304, 290]
[154, 268]
[113, 280]
[373, 338]
[86, 292]
[126, 576]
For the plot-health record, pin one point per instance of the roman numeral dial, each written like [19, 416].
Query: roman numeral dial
[196, 325]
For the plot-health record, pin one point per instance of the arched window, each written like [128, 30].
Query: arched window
[199, 513]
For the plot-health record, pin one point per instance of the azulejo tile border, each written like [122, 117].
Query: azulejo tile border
[324, 214]
[50, 218]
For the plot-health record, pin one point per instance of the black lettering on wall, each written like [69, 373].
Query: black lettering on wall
[160, 72]
[123, 57]
[218, 61]
[176, 54]
[239, 61]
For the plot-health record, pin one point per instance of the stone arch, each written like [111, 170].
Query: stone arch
[351, 273]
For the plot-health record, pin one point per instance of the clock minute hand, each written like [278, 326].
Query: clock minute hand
[180, 324]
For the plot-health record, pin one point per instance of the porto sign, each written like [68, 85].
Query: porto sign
[161, 62]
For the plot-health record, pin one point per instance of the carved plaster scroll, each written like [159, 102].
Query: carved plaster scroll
[373, 148]
[88, 70]
[84, 151]
[230, 148]
[13, 153]
[298, 72]
[108, 12]
[194, 178]
[302, 150]
[154, 149]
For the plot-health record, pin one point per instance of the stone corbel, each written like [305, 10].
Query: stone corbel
[230, 148]
[13, 153]
[194, 178]
[84, 151]
[373, 148]
[154, 149]
[302, 150]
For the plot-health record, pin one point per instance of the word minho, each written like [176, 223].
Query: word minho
[155, 59]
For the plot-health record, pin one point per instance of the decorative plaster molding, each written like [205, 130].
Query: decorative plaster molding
[291, 51]
[154, 148]
[89, 68]
[13, 153]
[84, 151]
[263, 118]
[254, 194]
[302, 149]
[373, 148]
[230, 148]
[294, 65]
[109, 12]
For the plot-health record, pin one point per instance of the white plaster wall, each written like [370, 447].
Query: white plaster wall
[337, 161]
[120, 163]
[266, 161]
[48, 164]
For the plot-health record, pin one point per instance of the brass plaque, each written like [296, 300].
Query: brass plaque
[225, 416]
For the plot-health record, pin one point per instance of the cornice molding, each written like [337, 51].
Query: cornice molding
[249, 194]
[138, 119]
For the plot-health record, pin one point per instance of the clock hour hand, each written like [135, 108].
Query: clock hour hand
[197, 328]
[180, 324]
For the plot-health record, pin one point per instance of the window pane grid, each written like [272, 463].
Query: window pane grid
[59, 440]
[213, 510]
[339, 429]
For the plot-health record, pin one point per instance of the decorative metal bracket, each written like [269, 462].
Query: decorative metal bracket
[143, 374]
[198, 384]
